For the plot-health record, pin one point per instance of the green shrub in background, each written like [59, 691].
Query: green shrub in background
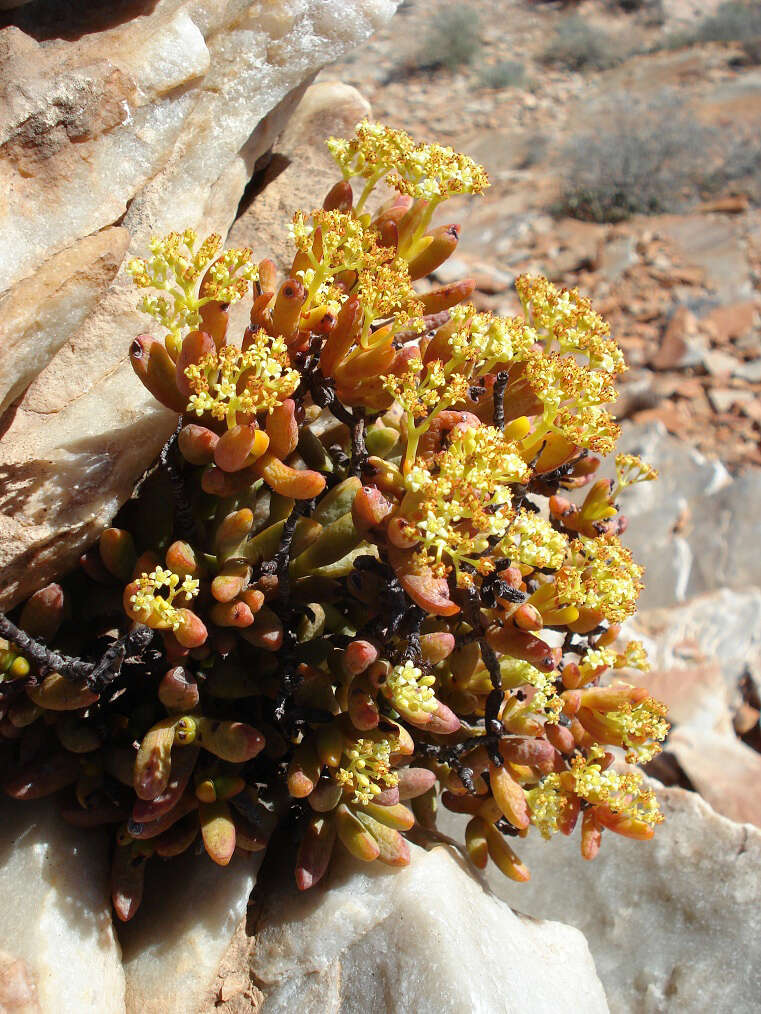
[630, 164]
[732, 22]
[578, 45]
[505, 74]
[453, 39]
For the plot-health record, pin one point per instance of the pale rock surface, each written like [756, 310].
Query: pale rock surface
[724, 625]
[45, 309]
[426, 938]
[674, 924]
[725, 771]
[59, 952]
[696, 695]
[657, 510]
[149, 116]
[692, 529]
[174, 945]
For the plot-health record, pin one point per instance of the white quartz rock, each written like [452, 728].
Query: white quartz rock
[674, 924]
[426, 938]
[59, 953]
[152, 122]
[173, 947]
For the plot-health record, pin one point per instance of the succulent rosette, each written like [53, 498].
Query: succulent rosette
[373, 572]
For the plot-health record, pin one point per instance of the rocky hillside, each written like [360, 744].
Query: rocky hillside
[584, 113]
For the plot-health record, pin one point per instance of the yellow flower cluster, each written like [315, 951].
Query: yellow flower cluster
[589, 426]
[335, 242]
[148, 602]
[638, 728]
[423, 392]
[630, 470]
[623, 793]
[532, 542]
[596, 659]
[460, 499]
[366, 769]
[547, 804]
[428, 171]
[565, 316]
[516, 672]
[409, 690]
[384, 289]
[177, 267]
[373, 150]
[633, 656]
[486, 342]
[230, 381]
[610, 580]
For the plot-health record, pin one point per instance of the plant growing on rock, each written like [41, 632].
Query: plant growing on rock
[359, 575]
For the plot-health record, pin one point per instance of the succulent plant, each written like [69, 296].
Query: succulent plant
[359, 576]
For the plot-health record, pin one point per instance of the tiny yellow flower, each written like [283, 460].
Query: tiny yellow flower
[366, 769]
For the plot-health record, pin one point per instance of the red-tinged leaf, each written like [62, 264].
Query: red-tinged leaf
[315, 851]
[427, 591]
[127, 878]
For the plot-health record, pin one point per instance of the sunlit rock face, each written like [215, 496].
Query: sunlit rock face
[59, 951]
[673, 924]
[117, 122]
[426, 938]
